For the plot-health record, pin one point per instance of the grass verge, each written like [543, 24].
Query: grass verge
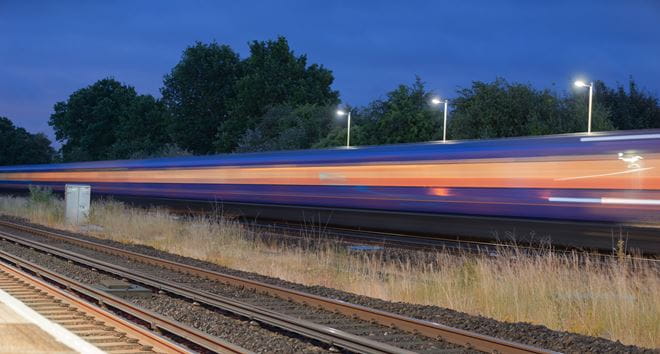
[617, 300]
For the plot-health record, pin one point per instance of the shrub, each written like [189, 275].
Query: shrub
[41, 195]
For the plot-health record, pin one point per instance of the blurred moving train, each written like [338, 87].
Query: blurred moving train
[577, 189]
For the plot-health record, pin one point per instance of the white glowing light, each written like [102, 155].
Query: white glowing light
[574, 200]
[630, 201]
[436, 100]
[622, 137]
[340, 112]
[626, 201]
[580, 83]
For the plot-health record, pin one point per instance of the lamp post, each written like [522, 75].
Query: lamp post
[436, 101]
[580, 83]
[348, 133]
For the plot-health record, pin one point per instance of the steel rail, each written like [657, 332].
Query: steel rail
[378, 238]
[111, 323]
[157, 322]
[108, 333]
[308, 329]
[426, 243]
[430, 329]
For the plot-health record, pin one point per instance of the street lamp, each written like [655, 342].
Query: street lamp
[580, 83]
[436, 101]
[348, 134]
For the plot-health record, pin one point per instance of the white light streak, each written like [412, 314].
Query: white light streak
[604, 174]
[574, 200]
[621, 137]
[605, 200]
[630, 201]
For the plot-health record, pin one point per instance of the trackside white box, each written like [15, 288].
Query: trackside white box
[77, 199]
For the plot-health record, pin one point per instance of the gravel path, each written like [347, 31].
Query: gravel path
[535, 335]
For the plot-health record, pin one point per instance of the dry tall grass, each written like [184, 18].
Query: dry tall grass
[563, 292]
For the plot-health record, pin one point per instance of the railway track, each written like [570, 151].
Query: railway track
[507, 244]
[376, 240]
[42, 291]
[353, 237]
[273, 306]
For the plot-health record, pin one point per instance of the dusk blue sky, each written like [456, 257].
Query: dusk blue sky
[50, 49]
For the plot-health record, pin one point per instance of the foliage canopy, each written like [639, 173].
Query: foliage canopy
[502, 109]
[274, 99]
[18, 146]
[108, 120]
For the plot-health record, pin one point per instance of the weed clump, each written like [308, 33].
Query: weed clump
[41, 206]
[41, 195]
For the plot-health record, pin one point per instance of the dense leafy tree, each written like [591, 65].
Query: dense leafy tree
[272, 100]
[337, 136]
[198, 93]
[167, 150]
[502, 109]
[18, 146]
[575, 110]
[214, 97]
[108, 120]
[273, 75]
[634, 109]
[286, 128]
[142, 130]
[405, 116]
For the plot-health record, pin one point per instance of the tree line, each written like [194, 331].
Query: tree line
[213, 101]
[18, 146]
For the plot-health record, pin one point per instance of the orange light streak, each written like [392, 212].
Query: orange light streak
[593, 172]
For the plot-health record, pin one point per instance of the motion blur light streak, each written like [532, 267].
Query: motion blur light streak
[558, 177]
[440, 192]
[491, 173]
[606, 200]
[604, 174]
[630, 201]
[574, 200]
[621, 137]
